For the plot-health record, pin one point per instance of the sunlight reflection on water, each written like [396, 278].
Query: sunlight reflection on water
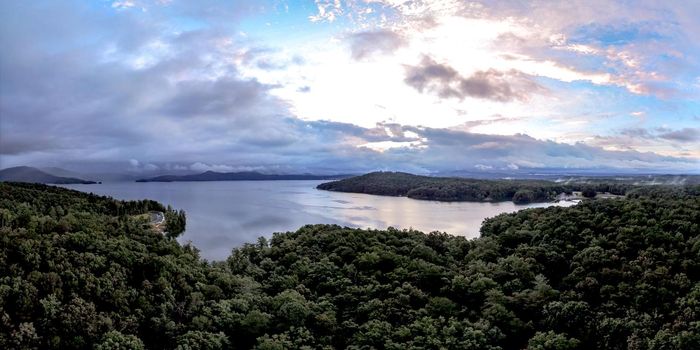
[224, 215]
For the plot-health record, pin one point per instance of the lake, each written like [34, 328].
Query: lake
[222, 215]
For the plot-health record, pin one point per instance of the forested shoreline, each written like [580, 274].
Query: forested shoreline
[80, 271]
[455, 189]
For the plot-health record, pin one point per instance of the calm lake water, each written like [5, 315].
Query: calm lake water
[222, 215]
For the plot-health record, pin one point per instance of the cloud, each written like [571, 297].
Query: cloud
[367, 43]
[227, 97]
[328, 10]
[190, 100]
[684, 142]
[411, 148]
[682, 135]
[95, 87]
[202, 167]
[646, 47]
[637, 132]
[136, 166]
[123, 4]
[22, 142]
[267, 58]
[446, 82]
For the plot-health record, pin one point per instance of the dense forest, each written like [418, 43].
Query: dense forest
[79, 271]
[471, 190]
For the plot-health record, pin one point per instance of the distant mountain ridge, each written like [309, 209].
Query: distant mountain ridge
[124, 175]
[239, 176]
[34, 175]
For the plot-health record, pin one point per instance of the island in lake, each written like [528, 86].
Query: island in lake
[476, 190]
[239, 176]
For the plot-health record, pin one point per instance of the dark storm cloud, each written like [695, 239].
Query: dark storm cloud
[446, 82]
[368, 43]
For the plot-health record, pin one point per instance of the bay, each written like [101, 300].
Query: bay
[222, 215]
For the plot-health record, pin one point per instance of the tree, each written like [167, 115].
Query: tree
[523, 197]
[115, 340]
[552, 341]
[589, 192]
[175, 222]
[604, 274]
[198, 340]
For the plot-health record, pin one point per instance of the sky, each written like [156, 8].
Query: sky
[351, 86]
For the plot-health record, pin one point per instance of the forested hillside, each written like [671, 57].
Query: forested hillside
[474, 190]
[79, 271]
[34, 175]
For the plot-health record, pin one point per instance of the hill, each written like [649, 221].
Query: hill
[83, 272]
[29, 174]
[475, 190]
[237, 176]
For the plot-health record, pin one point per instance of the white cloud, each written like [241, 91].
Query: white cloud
[328, 10]
[123, 4]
